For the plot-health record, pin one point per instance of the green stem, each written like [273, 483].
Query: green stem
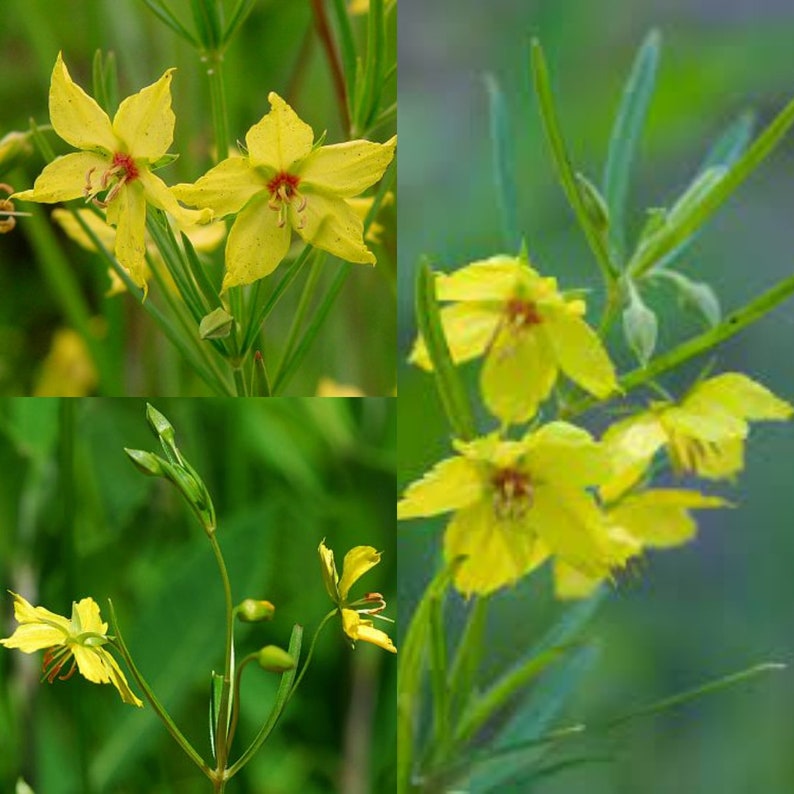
[214, 61]
[730, 326]
[297, 321]
[221, 729]
[170, 725]
[238, 675]
[297, 681]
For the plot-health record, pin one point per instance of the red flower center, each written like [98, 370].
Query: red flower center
[521, 313]
[512, 495]
[124, 162]
[283, 188]
[122, 170]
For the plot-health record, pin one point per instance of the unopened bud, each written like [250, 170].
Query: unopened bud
[253, 611]
[160, 425]
[216, 325]
[275, 659]
[146, 462]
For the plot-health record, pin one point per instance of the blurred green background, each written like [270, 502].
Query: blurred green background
[77, 519]
[725, 601]
[276, 49]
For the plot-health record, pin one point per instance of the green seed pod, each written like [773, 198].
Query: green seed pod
[640, 327]
[253, 611]
[275, 659]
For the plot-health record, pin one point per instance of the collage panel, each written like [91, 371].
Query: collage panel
[596, 394]
[197, 198]
[198, 595]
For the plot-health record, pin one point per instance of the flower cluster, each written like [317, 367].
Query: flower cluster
[285, 181]
[556, 491]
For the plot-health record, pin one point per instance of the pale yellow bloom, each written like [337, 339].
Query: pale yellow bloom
[68, 369]
[356, 625]
[286, 183]
[81, 640]
[331, 388]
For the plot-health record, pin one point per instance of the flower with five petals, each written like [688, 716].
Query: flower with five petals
[115, 165]
[356, 563]
[285, 182]
[515, 503]
[81, 640]
[527, 330]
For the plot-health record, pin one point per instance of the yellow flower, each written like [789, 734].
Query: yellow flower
[286, 182]
[206, 237]
[704, 433]
[356, 563]
[658, 518]
[327, 387]
[68, 370]
[362, 206]
[81, 640]
[116, 162]
[527, 330]
[516, 502]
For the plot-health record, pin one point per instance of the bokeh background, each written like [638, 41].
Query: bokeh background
[725, 601]
[276, 49]
[77, 519]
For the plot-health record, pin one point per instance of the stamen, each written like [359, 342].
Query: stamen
[122, 171]
[512, 493]
[521, 313]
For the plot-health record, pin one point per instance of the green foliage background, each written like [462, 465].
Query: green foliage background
[77, 519]
[276, 49]
[723, 602]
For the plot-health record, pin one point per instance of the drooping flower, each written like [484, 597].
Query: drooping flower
[527, 330]
[356, 563]
[115, 167]
[515, 503]
[654, 519]
[285, 182]
[81, 640]
[703, 434]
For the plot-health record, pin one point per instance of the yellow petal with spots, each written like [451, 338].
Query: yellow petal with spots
[280, 139]
[357, 562]
[64, 178]
[145, 121]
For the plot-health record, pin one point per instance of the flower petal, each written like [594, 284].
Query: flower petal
[519, 372]
[347, 169]
[91, 663]
[570, 583]
[75, 116]
[30, 637]
[571, 526]
[256, 243]
[562, 453]
[579, 351]
[280, 138]
[469, 329]
[128, 212]
[494, 279]
[161, 196]
[331, 224]
[225, 189]
[631, 443]
[87, 611]
[64, 178]
[740, 396]
[497, 553]
[328, 568]
[451, 484]
[359, 629]
[144, 121]
[661, 518]
[356, 563]
[70, 225]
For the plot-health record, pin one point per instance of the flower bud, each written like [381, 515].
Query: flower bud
[640, 327]
[161, 427]
[216, 325]
[14, 147]
[146, 462]
[253, 611]
[275, 659]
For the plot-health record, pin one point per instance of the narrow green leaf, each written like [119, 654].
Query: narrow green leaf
[672, 235]
[238, 17]
[468, 654]
[451, 391]
[689, 695]
[369, 103]
[626, 132]
[216, 686]
[438, 671]
[504, 165]
[261, 382]
[164, 14]
[694, 294]
[199, 273]
[98, 75]
[410, 674]
[562, 162]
